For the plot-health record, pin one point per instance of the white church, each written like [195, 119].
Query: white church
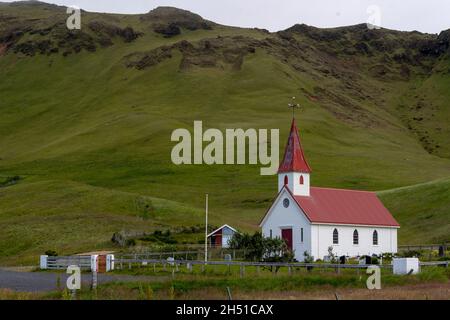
[311, 219]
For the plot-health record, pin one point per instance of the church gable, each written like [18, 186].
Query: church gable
[285, 206]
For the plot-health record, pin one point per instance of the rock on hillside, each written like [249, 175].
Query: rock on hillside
[170, 21]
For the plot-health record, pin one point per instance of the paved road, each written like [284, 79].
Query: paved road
[47, 281]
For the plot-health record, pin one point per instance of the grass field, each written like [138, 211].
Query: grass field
[90, 137]
[431, 283]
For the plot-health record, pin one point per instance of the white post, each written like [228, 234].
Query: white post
[109, 262]
[43, 262]
[206, 230]
[94, 258]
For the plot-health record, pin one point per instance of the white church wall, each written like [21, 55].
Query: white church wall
[279, 218]
[322, 238]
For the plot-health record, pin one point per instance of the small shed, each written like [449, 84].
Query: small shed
[221, 236]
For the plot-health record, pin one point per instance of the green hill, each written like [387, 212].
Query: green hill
[422, 211]
[93, 109]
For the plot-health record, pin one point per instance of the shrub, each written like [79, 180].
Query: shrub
[120, 238]
[375, 260]
[51, 253]
[9, 181]
[411, 254]
[387, 257]
[307, 257]
[259, 248]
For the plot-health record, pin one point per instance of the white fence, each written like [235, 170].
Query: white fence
[88, 263]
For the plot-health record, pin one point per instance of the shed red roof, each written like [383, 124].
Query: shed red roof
[294, 160]
[338, 206]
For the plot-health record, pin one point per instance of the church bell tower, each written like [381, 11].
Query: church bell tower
[294, 171]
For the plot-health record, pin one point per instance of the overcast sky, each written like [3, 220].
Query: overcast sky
[430, 16]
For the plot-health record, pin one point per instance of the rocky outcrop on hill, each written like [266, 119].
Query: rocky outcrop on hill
[105, 30]
[170, 21]
[222, 52]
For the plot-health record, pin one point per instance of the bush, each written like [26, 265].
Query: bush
[411, 254]
[120, 238]
[130, 242]
[259, 248]
[375, 260]
[160, 236]
[307, 257]
[51, 253]
[387, 257]
[9, 181]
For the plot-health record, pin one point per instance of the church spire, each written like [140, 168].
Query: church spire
[294, 159]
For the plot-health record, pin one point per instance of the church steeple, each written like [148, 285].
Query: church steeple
[294, 170]
[294, 159]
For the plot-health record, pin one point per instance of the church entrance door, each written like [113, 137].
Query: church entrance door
[286, 235]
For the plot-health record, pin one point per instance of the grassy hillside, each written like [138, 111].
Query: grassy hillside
[91, 112]
[422, 211]
[71, 217]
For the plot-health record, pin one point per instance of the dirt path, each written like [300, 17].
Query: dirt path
[47, 281]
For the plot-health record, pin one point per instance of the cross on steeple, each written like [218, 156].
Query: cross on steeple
[294, 106]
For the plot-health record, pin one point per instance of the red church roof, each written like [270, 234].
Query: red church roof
[294, 160]
[338, 206]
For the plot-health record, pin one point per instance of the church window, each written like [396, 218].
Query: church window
[286, 202]
[286, 180]
[302, 180]
[335, 237]
[270, 233]
[375, 238]
[355, 237]
[301, 235]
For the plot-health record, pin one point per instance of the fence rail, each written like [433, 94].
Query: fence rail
[120, 262]
[435, 263]
[408, 247]
[213, 254]
[84, 262]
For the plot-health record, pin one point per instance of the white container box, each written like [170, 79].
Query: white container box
[405, 265]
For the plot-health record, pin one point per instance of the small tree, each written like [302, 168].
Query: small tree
[307, 257]
[259, 248]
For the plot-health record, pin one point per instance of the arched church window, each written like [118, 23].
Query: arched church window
[286, 180]
[375, 237]
[302, 180]
[335, 237]
[355, 237]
